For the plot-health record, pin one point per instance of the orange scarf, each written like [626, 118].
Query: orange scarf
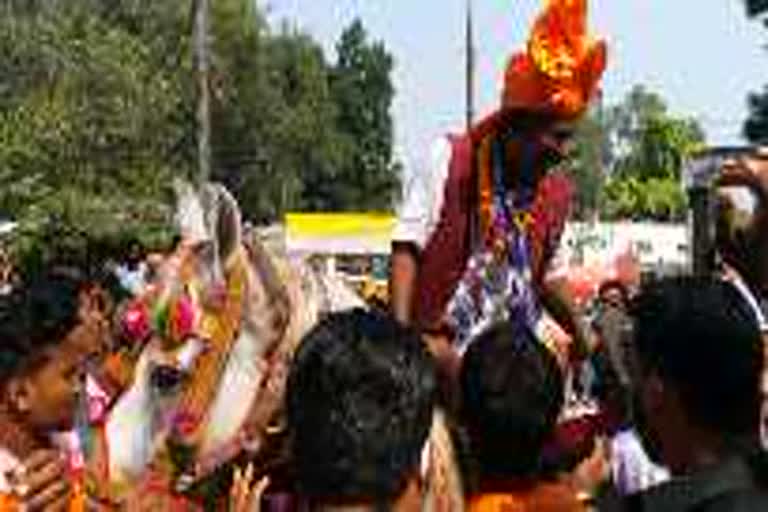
[10, 503]
[543, 497]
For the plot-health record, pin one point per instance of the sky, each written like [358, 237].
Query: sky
[702, 56]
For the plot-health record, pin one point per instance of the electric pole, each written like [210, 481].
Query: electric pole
[470, 71]
[202, 58]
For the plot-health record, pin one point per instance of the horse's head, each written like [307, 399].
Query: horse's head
[192, 287]
[211, 322]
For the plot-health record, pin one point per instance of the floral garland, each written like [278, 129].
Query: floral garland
[485, 184]
[177, 318]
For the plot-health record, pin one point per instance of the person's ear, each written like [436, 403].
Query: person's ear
[18, 394]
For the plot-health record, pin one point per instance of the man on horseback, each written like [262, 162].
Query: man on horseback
[478, 237]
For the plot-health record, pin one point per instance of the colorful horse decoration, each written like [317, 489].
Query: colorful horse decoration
[219, 325]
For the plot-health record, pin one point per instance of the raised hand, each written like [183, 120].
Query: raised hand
[41, 483]
[244, 495]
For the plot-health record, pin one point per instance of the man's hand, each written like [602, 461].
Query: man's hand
[556, 299]
[245, 496]
[41, 483]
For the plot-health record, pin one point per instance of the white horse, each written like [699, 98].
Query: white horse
[225, 318]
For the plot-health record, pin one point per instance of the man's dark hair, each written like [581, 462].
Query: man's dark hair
[614, 284]
[512, 395]
[37, 315]
[701, 336]
[360, 399]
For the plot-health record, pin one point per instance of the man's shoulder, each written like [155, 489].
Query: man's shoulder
[749, 500]
[556, 185]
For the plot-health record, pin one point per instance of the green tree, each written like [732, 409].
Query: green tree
[361, 85]
[97, 116]
[293, 131]
[85, 113]
[648, 148]
[587, 165]
[756, 125]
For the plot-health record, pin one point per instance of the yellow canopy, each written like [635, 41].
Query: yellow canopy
[339, 233]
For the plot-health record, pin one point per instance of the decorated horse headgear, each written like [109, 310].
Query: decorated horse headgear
[195, 307]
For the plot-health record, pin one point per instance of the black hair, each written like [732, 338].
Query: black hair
[37, 315]
[360, 399]
[701, 336]
[512, 392]
[614, 284]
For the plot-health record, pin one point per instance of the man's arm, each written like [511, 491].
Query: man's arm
[422, 200]
[558, 301]
[402, 285]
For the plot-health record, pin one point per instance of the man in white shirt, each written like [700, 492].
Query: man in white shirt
[133, 273]
[742, 240]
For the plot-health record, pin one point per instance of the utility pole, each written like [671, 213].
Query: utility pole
[470, 71]
[202, 57]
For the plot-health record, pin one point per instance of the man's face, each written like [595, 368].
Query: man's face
[558, 136]
[135, 254]
[51, 387]
[551, 142]
[612, 297]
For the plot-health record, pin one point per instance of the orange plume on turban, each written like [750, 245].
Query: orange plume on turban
[561, 68]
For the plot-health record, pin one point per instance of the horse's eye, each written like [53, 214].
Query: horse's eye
[166, 379]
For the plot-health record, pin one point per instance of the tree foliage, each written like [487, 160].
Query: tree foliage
[642, 148]
[86, 125]
[756, 125]
[97, 115]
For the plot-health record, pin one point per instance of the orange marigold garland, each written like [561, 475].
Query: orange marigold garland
[485, 185]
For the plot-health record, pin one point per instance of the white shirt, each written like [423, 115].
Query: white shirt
[423, 197]
[132, 280]
[631, 468]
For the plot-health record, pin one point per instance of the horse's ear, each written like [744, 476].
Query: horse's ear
[224, 221]
[190, 215]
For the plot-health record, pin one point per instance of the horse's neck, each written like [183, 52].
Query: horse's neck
[264, 330]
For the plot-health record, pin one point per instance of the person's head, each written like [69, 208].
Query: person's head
[360, 400]
[613, 293]
[698, 355]
[135, 252]
[512, 390]
[95, 305]
[547, 87]
[43, 335]
[535, 142]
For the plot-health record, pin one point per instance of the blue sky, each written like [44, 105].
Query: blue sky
[703, 56]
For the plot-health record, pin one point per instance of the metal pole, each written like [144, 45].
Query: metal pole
[470, 47]
[204, 94]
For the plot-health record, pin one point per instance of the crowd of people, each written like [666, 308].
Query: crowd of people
[454, 397]
[684, 384]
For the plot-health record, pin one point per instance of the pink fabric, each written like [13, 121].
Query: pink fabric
[98, 401]
[69, 442]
